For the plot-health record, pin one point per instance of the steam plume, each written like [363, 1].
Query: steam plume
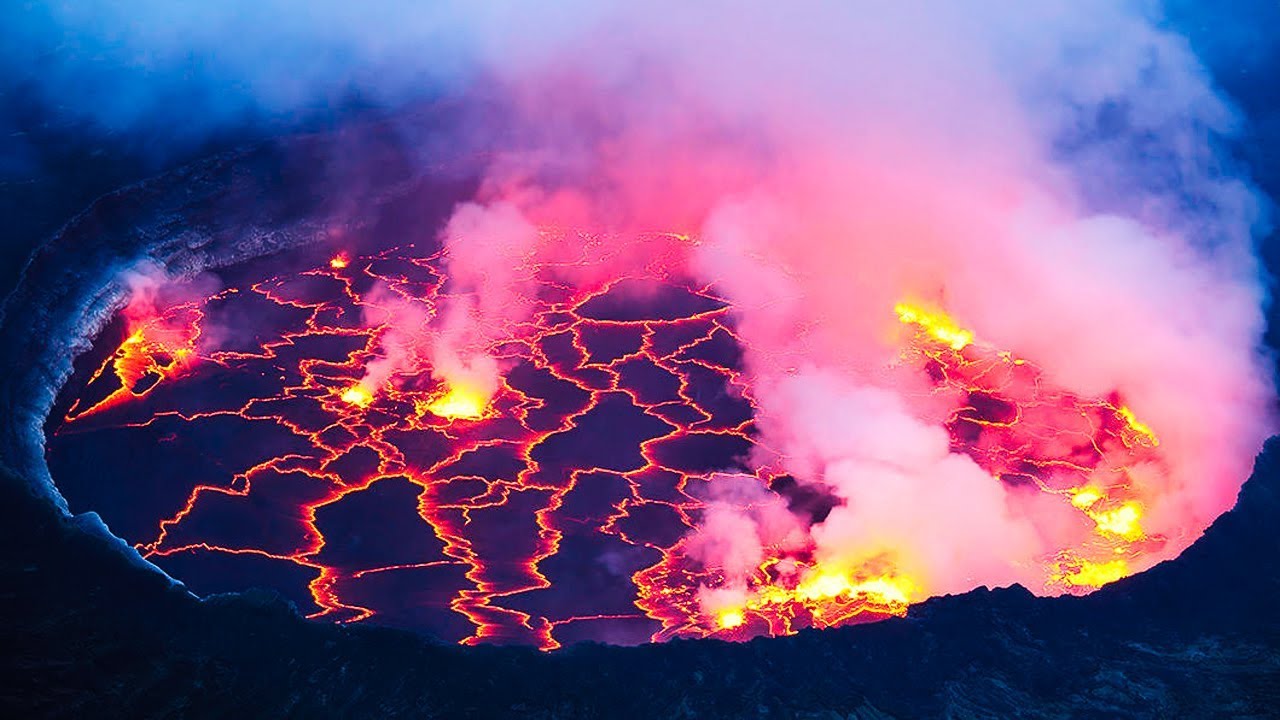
[1050, 173]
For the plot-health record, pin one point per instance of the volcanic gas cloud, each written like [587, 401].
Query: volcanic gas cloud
[991, 278]
[1021, 184]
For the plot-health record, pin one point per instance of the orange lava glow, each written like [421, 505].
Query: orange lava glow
[1077, 451]
[459, 403]
[936, 323]
[730, 619]
[156, 349]
[358, 396]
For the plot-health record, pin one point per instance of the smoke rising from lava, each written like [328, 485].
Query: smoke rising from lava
[485, 297]
[1047, 174]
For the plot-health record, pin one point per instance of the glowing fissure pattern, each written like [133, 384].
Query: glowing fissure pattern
[499, 484]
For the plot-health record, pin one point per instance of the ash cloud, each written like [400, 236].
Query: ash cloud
[1054, 174]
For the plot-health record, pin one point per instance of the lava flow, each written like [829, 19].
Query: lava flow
[236, 441]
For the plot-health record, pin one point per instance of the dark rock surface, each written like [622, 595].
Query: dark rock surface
[89, 634]
[330, 189]
[89, 631]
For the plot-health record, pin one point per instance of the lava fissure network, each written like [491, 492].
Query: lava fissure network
[291, 433]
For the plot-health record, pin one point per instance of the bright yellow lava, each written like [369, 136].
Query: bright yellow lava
[1117, 521]
[883, 590]
[1137, 426]
[1122, 521]
[1091, 574]
[460, 402]
[1085, 497]
[337, 262]
[936, 323]
[824, 590]
[892, 592]
[358, 396]
[731, 618]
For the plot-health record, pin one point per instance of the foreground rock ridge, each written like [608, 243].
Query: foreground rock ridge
[89, 633]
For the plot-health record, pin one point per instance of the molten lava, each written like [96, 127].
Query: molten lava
[157, 348]
[459, 403]
[358, 396]
[1143, 431]
[562, 508]
[730, 619]
[936, 323]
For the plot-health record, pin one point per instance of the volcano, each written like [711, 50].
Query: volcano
[232, 439]
[489, 526]
[701, 362]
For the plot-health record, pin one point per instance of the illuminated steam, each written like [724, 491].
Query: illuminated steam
[485, 299]
[1045, 174]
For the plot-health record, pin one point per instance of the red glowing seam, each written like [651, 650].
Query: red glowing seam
[671, 602]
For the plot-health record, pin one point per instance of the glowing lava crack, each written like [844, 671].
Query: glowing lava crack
[237, 441]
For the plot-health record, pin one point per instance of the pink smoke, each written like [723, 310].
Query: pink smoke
[403, 343]
[485, 298]
[479, 306]
[831, 161]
